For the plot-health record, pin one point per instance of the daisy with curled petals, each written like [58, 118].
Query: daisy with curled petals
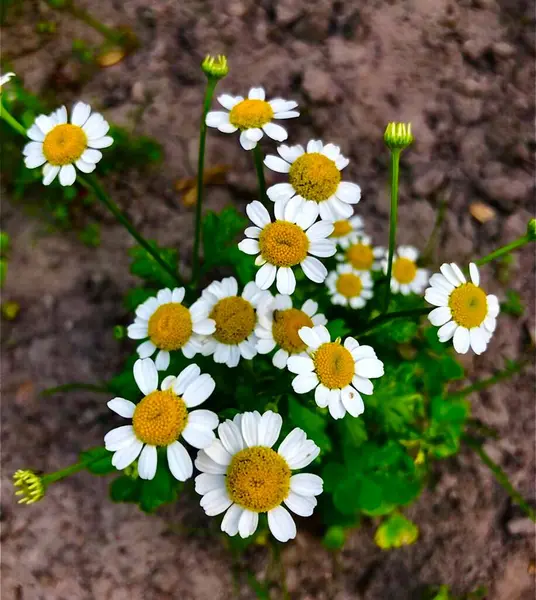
[406, 277]
[347, 231]
[252, 116]
[337, 372]
[235, 319]
[464, 312]
[349, 287]
[360, 253]
[160, 418]
[60, 146]
[286, 242]
[243, 476]
[169, 325]
[314, 178]
[279, 324]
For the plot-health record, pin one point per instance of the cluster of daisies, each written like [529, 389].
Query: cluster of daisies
[241, 474]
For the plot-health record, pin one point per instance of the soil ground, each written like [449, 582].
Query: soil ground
[463, 74]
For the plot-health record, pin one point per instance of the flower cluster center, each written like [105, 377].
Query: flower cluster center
[285, 329]
[160, 418]
[314, 176]
[249, 114]
[341, 228]
[170, 326]
[404, 270]
[283, 244]
[235, 320]
[64, 144]
[360, 256]
[469, 305]
[349, 285]
[258, 479]
[334, 365]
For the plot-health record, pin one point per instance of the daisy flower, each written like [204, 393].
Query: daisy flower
[347, 231]
[314, 177]
[169, 325]
[5, 78]
[360, 253]
[60, 145]
[349, 287]
[160, 418]
[464, 312]
[285, 243]
[243, 476]
[279, 324]
[253, 117]
[235, 320]
[406, 277]
[338, 373]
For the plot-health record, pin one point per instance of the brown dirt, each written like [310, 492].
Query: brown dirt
[463, 73]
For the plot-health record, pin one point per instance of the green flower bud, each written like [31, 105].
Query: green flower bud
[531, 230]
[215, 67]
[398, 136]
[119, 332]
[30, 486]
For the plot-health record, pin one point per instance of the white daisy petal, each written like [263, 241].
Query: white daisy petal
[352, 401]
[231, 520]
[146, 375]
[205, 464]
[290, 153]
[162, 360]
[124, 408]
[280, 105]
[306, 484]
[91, 156]
[198, 436]
[303, 506]
[449, 274]
[446, 332]
[363, 385]
[216, 117]
[148, 462]
[231, 437]
[281, 524]
[199, 390]
[96, 127]
[67, 175]
[311, 336]
[341, 162]
[179, 461]
[206, 482]
[50, 173]
[167, 382]
[84, 166]
[314, 146]
[477, 338]
[322, 248]
[44, 123]
[276, 132]
[34, 160]
[35, 133]
[300, 364]
[229, 102]
[247, 524]
[314, 269]
[254, 134]
[348, 192]
[185, 378]
[258, 214]
[246, 142]
[250, 424]
[286, 281]
[369, 368]
[266, 276]
[331, 151]
[439, 316]
[215, 502]
[435, 297]
[287, 114]
[127, 455]
[304, 383]
[280, 192]
[336, 407]
[280, 358]
[249, 246]
[276, 164]
[322, 394]
[320, 231]
[307, 214]
[461, 340]
[103, 142]
[80, 114]
[120, 437]
[256, 93]
[458, 272]
[269, 428]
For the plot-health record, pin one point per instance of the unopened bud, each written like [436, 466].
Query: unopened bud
[215, 67]
[398, 136]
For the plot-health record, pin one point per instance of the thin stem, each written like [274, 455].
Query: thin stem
[430, 248]
[501, 477]
[486, 383]
[70, 470]
[93, 185]
[259, 167]
[209, 92]
[519, 243]
[10, 120]
[393, 218]
[68, 387]
[382, 319]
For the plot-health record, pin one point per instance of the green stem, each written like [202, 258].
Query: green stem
[93, 185]
[57, 475]
[519, 243]
[259, 167]
[486, 383]
[501, 477]
[209, 92]
[428, 253]
[11, 121]
[382, 319]
[393, 218]
[68, 387]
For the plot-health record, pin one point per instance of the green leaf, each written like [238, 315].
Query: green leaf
[3, 271]
[145, 266]
[162, 489]
[333, 474]
[447, 421]
[98, 460]
[136, 296]
[124, 384]
[513, 305]
[369, 494]
[125, 489]
[337, 328]
[4, 242]
[334, 538]
[311, 421]
[395, 532]
[345, 496]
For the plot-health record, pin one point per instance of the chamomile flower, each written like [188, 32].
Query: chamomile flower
[337, 372]
[252, 116]
[5, 79]
[169, 325]
[243, 476]
[406, 277]
[235, 320]
[347, 231]
[279, 324]
[314, 177]
[286, 242]
[160, 418]
[464, 312]
[349, 287]
[360, 253]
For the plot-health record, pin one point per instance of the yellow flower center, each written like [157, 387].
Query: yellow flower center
[334, 365]
[469, 305]
[283, 244]
[360, 256]
[341, 228]
[64, 144]
[251, 113]
[314, 176]
[349, 285]
[235, 320]
[285, 329]
[258, 479]
[170, 326]
[404, 270]
[160, 418]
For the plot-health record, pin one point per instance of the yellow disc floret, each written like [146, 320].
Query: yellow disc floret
[30, 486]
[283, 244]
[341, 228]
[360, 256]
[235, 320]
[349, 285]
[64, 144]
[258, 479]
[249, 114]
[160, 418]
[170, 326]
[285, 329]
[314, 176]
[469, 305]
[404, 270]
[334, 365]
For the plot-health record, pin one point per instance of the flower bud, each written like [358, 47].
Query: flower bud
[30, 486]
[398, 136]
[215, 67]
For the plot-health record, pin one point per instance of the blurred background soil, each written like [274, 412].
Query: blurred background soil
[463, 74]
